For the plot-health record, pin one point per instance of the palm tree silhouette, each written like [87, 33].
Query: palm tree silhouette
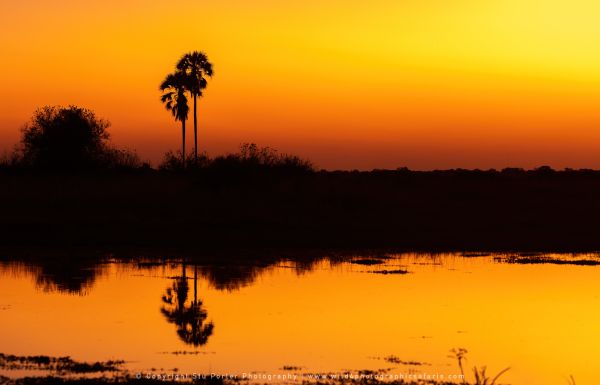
[190, 320]
[173, 88]
[196, 66]
[175, 299]
[193, 330]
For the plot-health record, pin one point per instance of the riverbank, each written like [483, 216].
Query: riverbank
[130, 380]
[542, 210]
[64, 370]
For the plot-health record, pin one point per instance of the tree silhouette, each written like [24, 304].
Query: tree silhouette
[190, 320]
[174, 88]
[196, 67]
[65, 138]
[73, 276]
[193, 330]
[175, 299]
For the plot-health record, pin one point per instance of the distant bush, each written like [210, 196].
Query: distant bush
[10, 161]
[69, 138]
[172, 162]
[253, 157]
[250, 158]
[116, 158]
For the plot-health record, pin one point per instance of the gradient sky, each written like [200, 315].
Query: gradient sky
[350, 84]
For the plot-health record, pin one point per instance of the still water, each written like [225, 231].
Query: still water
[326, 315]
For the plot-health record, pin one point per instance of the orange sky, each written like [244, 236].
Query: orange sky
[347, 83]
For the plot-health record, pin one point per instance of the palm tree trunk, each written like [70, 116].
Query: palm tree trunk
[195, 284]
[183, 143]
[180, 301]
[195, 132]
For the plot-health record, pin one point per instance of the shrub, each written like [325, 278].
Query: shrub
[249, 159]
[70, 138]
[172, 162]
[252, 157]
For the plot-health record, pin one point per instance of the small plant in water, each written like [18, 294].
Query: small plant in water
[482, 379]
[480, 376]
[460, 355]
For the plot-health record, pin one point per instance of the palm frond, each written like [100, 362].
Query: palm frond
[174, 88]
[196, 66]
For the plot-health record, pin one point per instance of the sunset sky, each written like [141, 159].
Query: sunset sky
[347, 83]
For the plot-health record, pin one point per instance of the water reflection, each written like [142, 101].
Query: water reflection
[188, 318]
[537, 313]
[77, 273]
[77, 277]
[64, 276]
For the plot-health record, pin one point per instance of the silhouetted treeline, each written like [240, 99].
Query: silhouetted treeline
[258, 197]
[213, 208]
[74, 140]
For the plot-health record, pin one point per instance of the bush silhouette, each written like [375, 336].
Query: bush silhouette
[173, 162]
[253, 157]
[250, 159]
[70, 138]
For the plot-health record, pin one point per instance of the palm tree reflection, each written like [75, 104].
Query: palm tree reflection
[189, 318]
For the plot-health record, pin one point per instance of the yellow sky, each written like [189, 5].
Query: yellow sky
[426, 84]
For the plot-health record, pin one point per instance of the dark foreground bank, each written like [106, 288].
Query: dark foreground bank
[467, 210]
[66, 371]
[132, 380]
